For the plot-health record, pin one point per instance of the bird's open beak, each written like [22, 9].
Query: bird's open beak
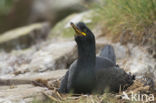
[78, 31]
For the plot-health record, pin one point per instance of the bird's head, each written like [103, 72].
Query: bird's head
[82, 34]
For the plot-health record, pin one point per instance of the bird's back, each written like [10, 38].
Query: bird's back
[102, 63]
[109, 76]
[109, 53]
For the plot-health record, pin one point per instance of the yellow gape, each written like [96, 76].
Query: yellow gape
[83, 33]
[77, 30]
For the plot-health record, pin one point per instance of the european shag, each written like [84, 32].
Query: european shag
[91, 73]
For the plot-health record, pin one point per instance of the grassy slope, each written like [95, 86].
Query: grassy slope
[129, 18]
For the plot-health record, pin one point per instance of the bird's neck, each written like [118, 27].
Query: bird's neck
[86, 56]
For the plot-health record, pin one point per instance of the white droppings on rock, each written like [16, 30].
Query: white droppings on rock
[6, 63]
[2, 100]
[15, 60]
[120, 51]
[140, 61]
[41, 61]
[48, 58]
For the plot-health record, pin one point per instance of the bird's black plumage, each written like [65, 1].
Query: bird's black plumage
[89, 73]
[108, 52]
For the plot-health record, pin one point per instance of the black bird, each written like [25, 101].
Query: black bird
[91, 73]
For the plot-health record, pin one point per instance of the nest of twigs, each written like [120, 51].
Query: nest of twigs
[54, 96]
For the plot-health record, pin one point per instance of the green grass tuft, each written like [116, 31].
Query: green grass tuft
[132, 13]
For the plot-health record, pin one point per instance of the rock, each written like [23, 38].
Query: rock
[141, 63]
[54, 56]
[21, 93]
[57, 74]
[19, 89]
[49, 56]
[25, 12]
[27, 78]
[24, 37]
[15, 61]
[54, 11]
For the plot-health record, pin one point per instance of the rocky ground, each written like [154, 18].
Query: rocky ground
[33, 62]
